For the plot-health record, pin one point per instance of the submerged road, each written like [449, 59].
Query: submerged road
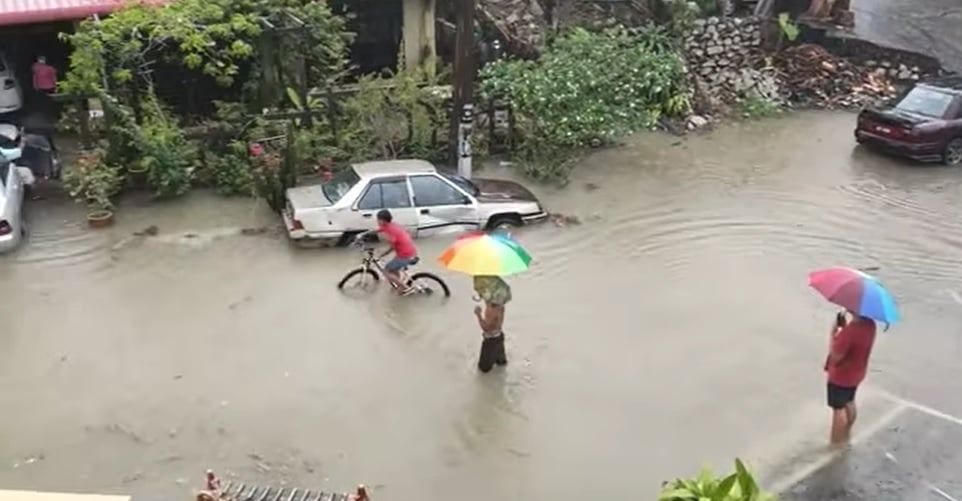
[931, 27]
[672, 329]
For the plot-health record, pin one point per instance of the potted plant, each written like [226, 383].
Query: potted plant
[94, 182]
[137, 174]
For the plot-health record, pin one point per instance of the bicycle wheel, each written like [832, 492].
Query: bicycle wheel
[359, 279]
[428, 283]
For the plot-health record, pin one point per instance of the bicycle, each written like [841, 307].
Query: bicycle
[422, 282]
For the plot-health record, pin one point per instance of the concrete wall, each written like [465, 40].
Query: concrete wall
[418, 33]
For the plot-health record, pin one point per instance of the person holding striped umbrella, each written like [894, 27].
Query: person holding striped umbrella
[488, 257]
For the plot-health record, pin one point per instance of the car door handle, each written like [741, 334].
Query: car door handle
[425, 211]
[368, 215]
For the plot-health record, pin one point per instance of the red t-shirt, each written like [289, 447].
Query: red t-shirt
[400, 240]
[44, 77]
[855, 342]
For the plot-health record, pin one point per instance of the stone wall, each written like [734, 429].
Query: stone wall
[724, 56]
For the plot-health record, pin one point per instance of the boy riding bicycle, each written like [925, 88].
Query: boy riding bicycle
[405, 253]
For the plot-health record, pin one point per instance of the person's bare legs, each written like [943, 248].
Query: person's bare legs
[850, 413]
[398, 281]
[840, 427]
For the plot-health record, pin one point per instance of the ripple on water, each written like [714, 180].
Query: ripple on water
[67, 245]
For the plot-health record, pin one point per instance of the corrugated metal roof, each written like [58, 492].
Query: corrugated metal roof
[41, 11]
[53, 496]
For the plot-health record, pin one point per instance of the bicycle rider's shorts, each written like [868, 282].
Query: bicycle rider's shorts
[398, 263]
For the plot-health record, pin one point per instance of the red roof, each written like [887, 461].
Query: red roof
[41, 11]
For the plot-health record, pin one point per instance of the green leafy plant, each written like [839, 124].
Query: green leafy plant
[92, 181]
[273, 173]
[738, 486]
[754, 108]
[232, 171]
[214, 37]
[588, 89]
[708, 7]
[312, 103]
[788, 28]
[387, 118]
[165, 153]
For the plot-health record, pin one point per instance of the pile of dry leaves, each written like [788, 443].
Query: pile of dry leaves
[814, 77]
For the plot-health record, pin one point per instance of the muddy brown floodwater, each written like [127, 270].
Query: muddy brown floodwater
[672, 329]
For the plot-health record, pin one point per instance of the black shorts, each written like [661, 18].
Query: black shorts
[840, 396]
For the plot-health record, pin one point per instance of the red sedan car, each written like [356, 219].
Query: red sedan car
[925, 124]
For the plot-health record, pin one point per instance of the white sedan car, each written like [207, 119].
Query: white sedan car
[420, 198]
[14, 181]
[11, 96]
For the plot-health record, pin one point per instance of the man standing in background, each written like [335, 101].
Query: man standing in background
[44, 81]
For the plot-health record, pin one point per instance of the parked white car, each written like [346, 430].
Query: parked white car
[11, 95]
[420, 198]
[14, 181]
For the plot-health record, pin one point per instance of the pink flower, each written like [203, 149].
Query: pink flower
[256, 150]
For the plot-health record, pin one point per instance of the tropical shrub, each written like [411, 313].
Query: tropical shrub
[402, 115]
[739, 486]
[213, 37]
[587, 89]
[164, 152]
[232, 171]
[92, 181]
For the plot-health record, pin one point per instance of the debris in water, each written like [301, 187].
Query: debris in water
[562, 220]
[150, 231]
[29, 460]
[591, 186]
[233, 306]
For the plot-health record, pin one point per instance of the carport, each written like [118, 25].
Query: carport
[30, 28]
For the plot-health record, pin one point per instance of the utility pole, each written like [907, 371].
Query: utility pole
[465, 68]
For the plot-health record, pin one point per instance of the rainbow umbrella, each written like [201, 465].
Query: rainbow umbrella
[482, 253]
[856, 291]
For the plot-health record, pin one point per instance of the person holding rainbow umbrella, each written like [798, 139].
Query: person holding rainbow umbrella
[488, 257]
[866, 301]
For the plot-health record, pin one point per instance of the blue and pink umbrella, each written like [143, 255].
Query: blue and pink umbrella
[857, 292]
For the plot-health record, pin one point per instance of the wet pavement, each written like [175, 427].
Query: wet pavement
[672, 329]
[930, 27]
[914, 457]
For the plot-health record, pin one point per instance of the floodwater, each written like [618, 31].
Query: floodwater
[672, 329]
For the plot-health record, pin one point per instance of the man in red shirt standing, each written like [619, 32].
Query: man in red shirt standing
[405, 253]
[45, 84]
[44, 76]
[847, 364]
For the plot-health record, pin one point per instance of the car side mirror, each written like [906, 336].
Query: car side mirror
[466, 201]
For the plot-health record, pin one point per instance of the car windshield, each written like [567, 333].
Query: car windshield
[463, 183]
[925, 101]
[338, 186]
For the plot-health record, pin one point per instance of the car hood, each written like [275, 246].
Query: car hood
[307, 197]
[497, 190]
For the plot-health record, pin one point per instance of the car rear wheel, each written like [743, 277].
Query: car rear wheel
[953, 152]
